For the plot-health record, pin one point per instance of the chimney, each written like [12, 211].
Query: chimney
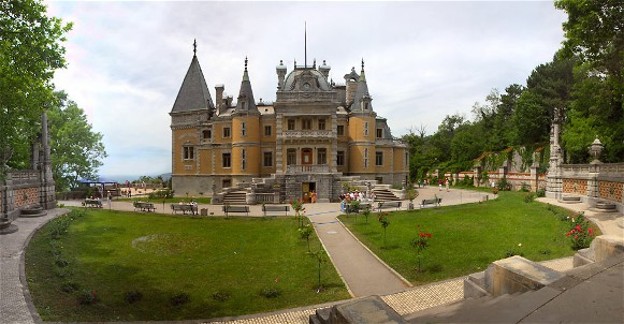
[219, 97]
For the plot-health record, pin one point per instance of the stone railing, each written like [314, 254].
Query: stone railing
[307, 169]
[298, 134]
[267, 198]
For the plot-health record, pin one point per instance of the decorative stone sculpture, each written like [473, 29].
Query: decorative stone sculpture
[595, 149]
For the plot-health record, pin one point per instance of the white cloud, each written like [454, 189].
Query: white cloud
[424, 60]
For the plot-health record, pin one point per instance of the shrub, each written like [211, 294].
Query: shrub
[524, 187]
[512, 252]
[270, 292]
[179, 299]
[529, 197]
[541, 193]
[70, 287]
[580, 234]
[221, 296]
[87, 297]
[133, 296]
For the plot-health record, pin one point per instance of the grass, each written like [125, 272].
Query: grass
[120, 266]
[466, 238]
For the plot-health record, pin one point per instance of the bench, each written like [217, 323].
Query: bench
[275, 208]
[92, 203]
[144, 206]
[175, 208]
[235, 209]
[388, 204]
[435, 202]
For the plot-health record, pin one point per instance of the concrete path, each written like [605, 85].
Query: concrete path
[15, 305]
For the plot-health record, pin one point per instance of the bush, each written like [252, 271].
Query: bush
[179, 299]
[529, 197]
[161, 194]
[525, 187]
[133, 296]
[221, 296]
[87, 297]
[580, 234]
[270, 292]
[541, 193]
[70, 287]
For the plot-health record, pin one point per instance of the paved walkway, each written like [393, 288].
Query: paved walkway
[353, 261]
[14, 307]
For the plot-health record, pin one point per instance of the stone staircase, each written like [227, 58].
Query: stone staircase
[235, 198]
[384, 194]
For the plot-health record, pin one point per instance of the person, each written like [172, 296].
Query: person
[313, 197]
[439, 185]
[447, 184]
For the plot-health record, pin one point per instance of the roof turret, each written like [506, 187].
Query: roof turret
[193, 93]
[246, 103]
[362, 99]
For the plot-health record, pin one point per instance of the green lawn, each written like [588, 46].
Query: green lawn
[466, 238]
[222, 265]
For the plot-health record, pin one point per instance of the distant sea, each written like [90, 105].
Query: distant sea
[123, 178]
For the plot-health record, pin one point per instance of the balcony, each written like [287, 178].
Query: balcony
[301, 134]
[307, 168]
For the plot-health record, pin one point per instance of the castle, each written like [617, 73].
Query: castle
[315, 135]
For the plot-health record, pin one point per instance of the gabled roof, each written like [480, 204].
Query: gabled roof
[193, 94]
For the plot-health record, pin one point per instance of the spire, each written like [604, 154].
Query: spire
[245, 74]
[362, 77]
[193, 93]
[246, 102]
[305, 44]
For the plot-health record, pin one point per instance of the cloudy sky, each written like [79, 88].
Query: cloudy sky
[423, 60]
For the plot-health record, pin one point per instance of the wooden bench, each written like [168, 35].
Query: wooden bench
[175, 208]
[275, 208]
[144, 206]
[227, 209]
[388, 204]
[92, 203]
[434, 201]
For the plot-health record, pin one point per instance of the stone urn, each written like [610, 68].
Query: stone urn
[595, 149]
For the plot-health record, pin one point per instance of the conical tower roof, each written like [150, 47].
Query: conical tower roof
[193, 94]
[361, 93]
[246, 103]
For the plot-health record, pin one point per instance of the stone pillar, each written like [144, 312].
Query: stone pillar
[47, 190]
[554, 186]
[534, 178]
[476, 175]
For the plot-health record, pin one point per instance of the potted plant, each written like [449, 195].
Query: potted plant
[411, 195]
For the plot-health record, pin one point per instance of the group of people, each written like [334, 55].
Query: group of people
[356, 195]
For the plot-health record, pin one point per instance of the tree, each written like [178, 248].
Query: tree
[30, 51]
[76, 150]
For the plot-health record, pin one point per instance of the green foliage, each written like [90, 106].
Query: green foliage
[161, 194]
[221, 296]
[305, 232]
[529, 197]
[581, 233]
[76, 150]
[133, 296]
[87, 297]
[179, 299]
[270, 292]
[30, 51]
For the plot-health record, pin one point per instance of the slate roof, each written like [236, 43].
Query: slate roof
[361, 92]
[193, 94]
[246, 96]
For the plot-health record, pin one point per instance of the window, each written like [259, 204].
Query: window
[365, 158]
[206, 134]
[340, 158]
[226, 132]
[321, 156]
[291, 156]
[268, 159]
[340, 130]
[378, 158]
[321, 124]
[243, 129]
[379, 132]
[267, 130]
[243, 159]
[366, 129]
[406, 159]
[226, 160]
[189, 153]
[306, 124]
[291, 124]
